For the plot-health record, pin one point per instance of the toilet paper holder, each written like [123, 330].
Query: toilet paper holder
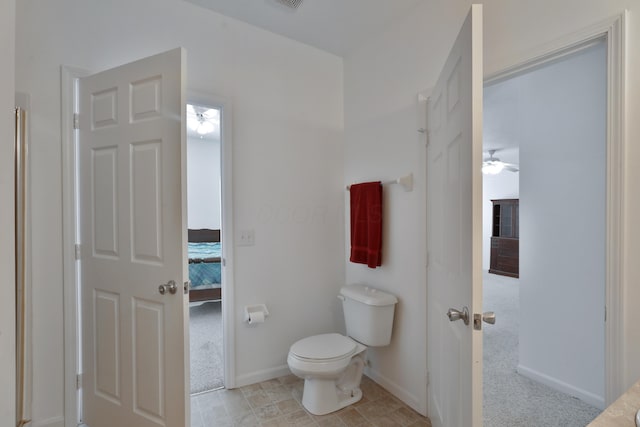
[255, 313]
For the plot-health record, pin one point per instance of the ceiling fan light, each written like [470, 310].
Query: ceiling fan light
[492, 168]
[205, 128]
[212, 115]
[202, 120]
[192, 123]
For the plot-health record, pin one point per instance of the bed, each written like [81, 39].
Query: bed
[204, 252]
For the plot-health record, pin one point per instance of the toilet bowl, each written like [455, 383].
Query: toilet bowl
[332, 367]
[332, 364]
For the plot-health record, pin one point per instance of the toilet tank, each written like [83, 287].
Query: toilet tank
[368, 314]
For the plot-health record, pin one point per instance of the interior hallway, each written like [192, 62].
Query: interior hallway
[510, 399]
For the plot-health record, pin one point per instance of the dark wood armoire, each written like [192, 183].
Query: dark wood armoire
[505, 238]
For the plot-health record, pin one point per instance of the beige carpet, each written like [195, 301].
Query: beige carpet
[511, 400]
[205, 328]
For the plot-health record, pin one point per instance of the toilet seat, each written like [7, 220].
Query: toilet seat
[331, 365]
[323, 348]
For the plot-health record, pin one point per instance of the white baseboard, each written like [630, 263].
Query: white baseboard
[401, 393]
[49, 422]
[263, 375]
[585, 396]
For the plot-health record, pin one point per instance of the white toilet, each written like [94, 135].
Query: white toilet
[332, 364]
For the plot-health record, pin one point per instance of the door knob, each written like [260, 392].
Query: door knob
[488, 317]
[454, 315]
[170, 286]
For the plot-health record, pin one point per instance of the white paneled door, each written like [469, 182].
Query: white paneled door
[454, 233]
[132, 214]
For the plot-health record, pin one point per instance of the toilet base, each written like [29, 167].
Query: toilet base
[322, 397]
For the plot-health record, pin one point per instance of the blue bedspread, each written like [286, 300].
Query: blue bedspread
[204, 264]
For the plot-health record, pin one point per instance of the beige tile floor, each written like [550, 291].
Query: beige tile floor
[276, 403]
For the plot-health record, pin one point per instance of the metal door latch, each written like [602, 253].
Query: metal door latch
[488, 316]
[170, 286]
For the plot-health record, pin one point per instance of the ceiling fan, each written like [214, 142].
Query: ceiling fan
[202, 120]
[493, 165]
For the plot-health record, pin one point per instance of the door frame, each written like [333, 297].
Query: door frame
[228, 335]
[70, 233]
[613, 31]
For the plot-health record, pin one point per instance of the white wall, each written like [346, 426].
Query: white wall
[287, 153]
[382, 115]
[381, 81]
[562, 223]
[203, 183]
[7, 261]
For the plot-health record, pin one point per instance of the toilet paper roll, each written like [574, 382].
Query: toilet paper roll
[256, 317]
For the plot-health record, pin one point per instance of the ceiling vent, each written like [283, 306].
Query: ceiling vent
[293, 4]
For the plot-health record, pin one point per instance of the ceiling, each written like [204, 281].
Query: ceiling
[340, 26]
[501, 124]
[335, 26]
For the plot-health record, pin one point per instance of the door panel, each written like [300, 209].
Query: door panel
[148, 359]
[104, 209]
[146, 212]
[454, 231]
[107, 345]
[133, 232]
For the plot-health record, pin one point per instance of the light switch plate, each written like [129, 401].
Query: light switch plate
[246, 238]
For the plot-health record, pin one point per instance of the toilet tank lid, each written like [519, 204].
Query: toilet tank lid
[368, 295]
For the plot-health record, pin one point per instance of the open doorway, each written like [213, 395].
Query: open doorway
[205, 247]
[549, 124]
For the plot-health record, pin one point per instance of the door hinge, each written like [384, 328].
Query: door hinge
[427, 260]
[605, 313]
[427, 378]
[76, 121]
[78, 251]
[224, 262]
[427, 129]
[78, 381]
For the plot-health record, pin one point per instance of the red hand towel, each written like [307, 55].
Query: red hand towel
[366, 223]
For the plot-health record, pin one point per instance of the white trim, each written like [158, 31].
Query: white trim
[228, 296]
[23, 101]
[554, 383]
[72, 360]
[262, 375]
[415, 402]
[614, 31]
[548, 51]
[615, 368]
[422, 405]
